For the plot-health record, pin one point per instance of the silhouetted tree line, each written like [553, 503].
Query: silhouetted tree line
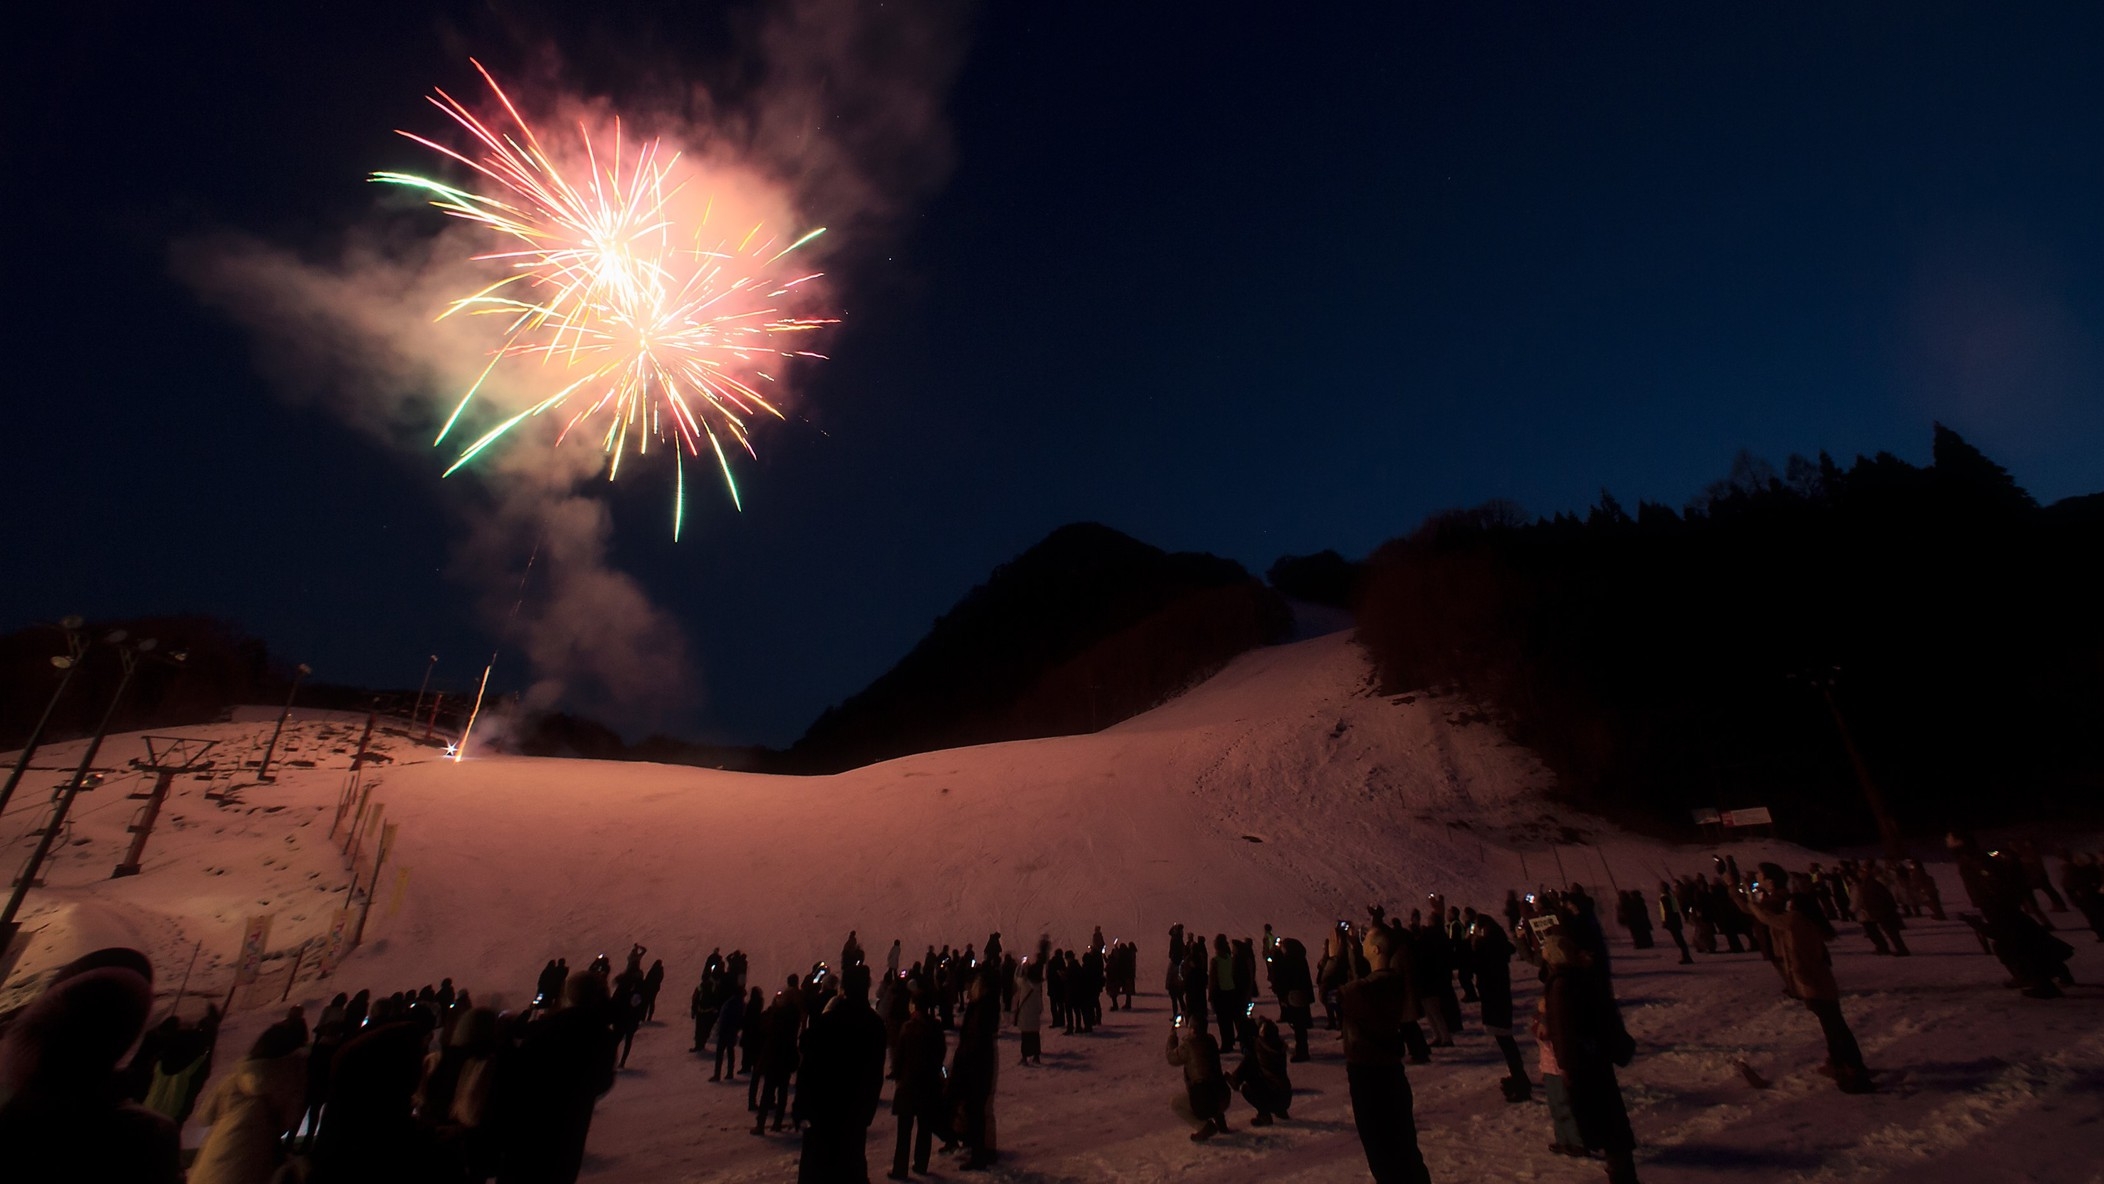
[223, 667]
[1665, 660]
[1322, 578]
[1084, 629]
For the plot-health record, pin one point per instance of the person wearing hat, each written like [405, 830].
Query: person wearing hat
[62, 1111]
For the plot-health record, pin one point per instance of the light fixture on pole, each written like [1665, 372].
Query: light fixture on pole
[76, 646]
[132, 655]
[263, 770]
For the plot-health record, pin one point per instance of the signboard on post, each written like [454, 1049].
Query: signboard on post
[358, 838]
[255, 938]
[1751, 816]
[401, 885]
[332, 946]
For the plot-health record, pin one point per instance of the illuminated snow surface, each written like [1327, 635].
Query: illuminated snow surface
[1354, 796]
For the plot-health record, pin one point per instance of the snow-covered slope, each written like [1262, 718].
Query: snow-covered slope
[1282, 790]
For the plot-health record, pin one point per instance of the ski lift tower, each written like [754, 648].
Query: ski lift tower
[167, 757]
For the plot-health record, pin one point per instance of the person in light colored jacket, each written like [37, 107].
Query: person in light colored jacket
[250, 1109]
[1030, 1010]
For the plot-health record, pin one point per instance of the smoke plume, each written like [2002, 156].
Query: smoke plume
[836, 118]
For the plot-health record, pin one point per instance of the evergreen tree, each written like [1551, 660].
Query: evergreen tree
[1965, 470]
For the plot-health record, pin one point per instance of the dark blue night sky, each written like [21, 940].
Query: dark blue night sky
[1229, 278]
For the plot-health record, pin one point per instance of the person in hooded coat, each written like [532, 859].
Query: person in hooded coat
[250, 1109]
[62, 1111]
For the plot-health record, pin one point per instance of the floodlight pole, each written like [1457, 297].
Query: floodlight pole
[263, 770]
[1888, 826]
[70, 663]
[131, 656]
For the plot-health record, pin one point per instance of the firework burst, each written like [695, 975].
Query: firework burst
[651, 326]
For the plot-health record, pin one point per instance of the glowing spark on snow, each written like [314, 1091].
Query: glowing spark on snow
[664, 328]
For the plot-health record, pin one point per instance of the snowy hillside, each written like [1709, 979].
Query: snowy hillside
[1282, 790]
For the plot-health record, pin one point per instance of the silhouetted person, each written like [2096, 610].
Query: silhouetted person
[839, 1083]
[547, 1087]
[62, 1116]
[918, 1100]
[776, 1061]
[1375, 1011]
[975, 1071]
[1206, 1090]
[1262, 1077]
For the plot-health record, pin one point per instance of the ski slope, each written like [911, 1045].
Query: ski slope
[1282, 790]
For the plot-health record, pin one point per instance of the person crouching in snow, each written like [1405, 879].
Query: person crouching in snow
[1262, 1076]
[1205, 1087]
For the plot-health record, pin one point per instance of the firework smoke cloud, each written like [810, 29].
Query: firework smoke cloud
[414, 327]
